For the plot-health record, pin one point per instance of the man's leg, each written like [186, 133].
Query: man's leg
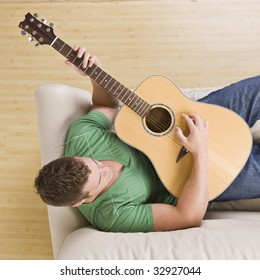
[242, 97]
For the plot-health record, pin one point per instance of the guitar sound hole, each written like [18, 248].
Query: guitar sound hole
[159, 119]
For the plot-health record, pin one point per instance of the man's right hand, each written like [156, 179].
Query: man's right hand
[197, 140]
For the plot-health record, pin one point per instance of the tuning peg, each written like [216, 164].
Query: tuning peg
[44, 20]
[23, 32]
[30, 38]
[52, 25]
[36, 15]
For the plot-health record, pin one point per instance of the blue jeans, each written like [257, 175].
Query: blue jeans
[243, 98]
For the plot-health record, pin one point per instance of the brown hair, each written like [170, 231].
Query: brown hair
[61, 182]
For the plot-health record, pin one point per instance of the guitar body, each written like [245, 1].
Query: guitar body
[230, 140]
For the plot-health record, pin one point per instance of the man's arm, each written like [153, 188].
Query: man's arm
[102, 100]
[193, 201]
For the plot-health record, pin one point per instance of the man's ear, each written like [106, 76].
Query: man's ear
[78, 203]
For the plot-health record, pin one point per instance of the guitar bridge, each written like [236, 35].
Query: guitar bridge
[182, 153]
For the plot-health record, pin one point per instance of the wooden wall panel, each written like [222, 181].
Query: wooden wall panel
[194, 43]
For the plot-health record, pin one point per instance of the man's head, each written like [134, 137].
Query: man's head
[62, 181]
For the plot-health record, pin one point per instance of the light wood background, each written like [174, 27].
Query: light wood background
[195, 43]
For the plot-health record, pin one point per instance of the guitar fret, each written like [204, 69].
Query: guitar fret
[118, 93]
[143, 106]
[94, 68]
[122, 98]
[71, 55]
[96, 74]
[78, 62]
[68, 53]
[113, 80]
[115, 87]
[134, 97]
[86, 70]
[136, 103]
[62, 47]
[146, 108]
[136, 100]
[105, 75]
[130, 99]
[99, 75]
[102, 78]
[106, 81]
[80, 66]
[140, 105]
[74, 59]
[121, 89]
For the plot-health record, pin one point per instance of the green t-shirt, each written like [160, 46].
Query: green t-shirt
[126, 205]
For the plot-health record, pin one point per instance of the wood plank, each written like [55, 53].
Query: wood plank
[194, 43]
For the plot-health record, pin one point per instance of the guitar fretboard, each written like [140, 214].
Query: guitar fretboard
[129, 98]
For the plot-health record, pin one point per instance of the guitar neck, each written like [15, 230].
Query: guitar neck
[125, 95]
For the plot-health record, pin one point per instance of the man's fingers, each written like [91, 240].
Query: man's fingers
[76, 48]
[82, 53]
[197, 119]
[181, 136]
[92, 60]
[194, 120]
[189, 121]
[88, 59]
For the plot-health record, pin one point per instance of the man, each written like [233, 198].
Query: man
[116, 187]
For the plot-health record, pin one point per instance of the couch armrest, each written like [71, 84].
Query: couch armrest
[57, 107]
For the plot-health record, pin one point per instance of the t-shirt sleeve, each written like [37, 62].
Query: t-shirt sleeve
[94, 120]
[85, 132]
[135, 218]
[132, 218]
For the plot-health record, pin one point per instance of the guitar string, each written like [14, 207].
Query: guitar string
[66, 52]
[159, 126]
[138, 104]
[62, 46]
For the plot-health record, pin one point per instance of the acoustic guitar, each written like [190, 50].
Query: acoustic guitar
[149, 115]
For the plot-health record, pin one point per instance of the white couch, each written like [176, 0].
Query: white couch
[230, 230]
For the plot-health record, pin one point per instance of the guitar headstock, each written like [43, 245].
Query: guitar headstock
[38, 30]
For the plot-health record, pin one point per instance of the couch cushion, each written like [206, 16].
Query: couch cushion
[216, 239]
[238, 205]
